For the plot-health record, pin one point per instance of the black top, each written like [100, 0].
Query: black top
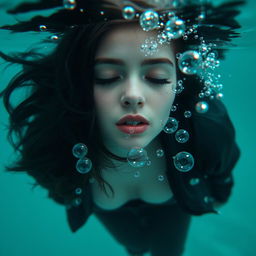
[134, 203]
[212, 144]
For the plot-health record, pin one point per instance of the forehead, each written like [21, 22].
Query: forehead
[125, 41]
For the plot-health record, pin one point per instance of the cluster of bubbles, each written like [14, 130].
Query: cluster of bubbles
[182, 136]
[201, 62]
[179, 87]
[208, 74]
[84, 164]
[150, 46]
[183, 161]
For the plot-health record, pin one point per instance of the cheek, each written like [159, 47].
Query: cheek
[101, 98]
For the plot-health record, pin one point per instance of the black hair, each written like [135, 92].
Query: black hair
[59, 110]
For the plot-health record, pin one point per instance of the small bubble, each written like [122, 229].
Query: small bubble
[201, 95]
[173, 108]
[54, 37]
[194, 181]
[136, 174]
[77, 201]
[78, 191]
[69, 4]
[160, 177]
[159, 153]
[178, 55]
[187, 114]
[128, 12]
[219, 96]
[207, 93]
[42, 28]
[202, 107]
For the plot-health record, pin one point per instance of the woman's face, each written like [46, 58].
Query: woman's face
[134, 89]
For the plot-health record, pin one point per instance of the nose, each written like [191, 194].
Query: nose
[132, 94]
[132, 101]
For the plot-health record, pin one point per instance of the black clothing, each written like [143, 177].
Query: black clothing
[212, 144]
[142, 227]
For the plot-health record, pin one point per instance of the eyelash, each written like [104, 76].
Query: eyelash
[153, 80]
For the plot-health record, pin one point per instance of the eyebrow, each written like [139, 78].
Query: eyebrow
[145, 62]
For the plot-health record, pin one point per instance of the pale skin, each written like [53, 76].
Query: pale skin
[133, 92]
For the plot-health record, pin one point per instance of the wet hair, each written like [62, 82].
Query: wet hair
[59, 110]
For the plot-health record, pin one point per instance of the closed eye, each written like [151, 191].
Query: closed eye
[114, 79]
[158, 81]
[107, 81]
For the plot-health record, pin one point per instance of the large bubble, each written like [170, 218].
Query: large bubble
[183, 161]
[137, 157]
[174, 28]
[182, 136]
[149, 20]
[190, 62]
[171, 125]
[84, 165]
[79, 150]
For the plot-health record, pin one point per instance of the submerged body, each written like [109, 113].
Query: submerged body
[146, 187]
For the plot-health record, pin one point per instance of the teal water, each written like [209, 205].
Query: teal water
[31, 224]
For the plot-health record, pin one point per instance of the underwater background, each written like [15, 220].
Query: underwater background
[31, 224]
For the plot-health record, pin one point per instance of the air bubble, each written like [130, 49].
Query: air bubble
[174, 28]
[159, 153]
[69, 4]
[149, 20]
[42, 28]
[183, 161]
[182, 136]
[79, 150]
[137, 157]
[160, 177]
[78, 191]
[219, 96]
[171, 125]
[128, 12]
[189, 62]
[84, 165]
[187, 114]
[202, 107]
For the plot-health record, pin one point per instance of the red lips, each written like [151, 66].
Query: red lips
[132, 118]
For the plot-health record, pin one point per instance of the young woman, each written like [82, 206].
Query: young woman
[128, 98]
